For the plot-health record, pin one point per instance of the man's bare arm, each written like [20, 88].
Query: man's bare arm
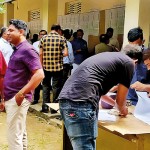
[65, 52]
[121, 99]
[35, 80]
[140, 86]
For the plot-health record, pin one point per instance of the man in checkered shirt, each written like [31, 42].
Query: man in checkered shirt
[53, 48]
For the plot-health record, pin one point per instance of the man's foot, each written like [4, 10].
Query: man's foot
[34, 102]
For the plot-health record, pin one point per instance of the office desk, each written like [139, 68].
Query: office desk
[125, 134]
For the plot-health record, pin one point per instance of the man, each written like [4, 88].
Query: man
[68, 60]
[138, 85]
[102, 46]
[135, 38]
[52, 49]
[5, 46]
[36, 44]
[113, 42]
[79, 98]
[23, 75]
[80, 49]
[38, 88]
[3, 67]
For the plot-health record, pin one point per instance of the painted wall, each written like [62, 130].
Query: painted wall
[137, 16]
[1, 20]
[21, 8]
[88, 5]
[52, 12]
[144, 19]
[137, 12]
[10, 13]
[48, 10]
[131, 17]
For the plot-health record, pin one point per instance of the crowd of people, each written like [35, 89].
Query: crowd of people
[59, 62]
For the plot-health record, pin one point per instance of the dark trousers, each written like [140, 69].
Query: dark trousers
[56, 86]
[66, 72]
[37, 93]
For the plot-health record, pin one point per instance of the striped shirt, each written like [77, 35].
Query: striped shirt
[53, 45]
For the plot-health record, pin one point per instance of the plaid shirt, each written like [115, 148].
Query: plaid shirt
[53, 45]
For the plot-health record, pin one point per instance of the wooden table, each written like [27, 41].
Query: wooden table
[124, 134]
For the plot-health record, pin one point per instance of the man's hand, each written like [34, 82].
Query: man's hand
[138, 86]
[2, 106]
[78, 51]
[114, 88]
[19, 98]
[124, 111]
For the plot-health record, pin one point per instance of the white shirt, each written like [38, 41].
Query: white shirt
[114, 42]
[70, 58]
[36, 46]
[6, 49]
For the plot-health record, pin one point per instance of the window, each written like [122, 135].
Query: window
[34, 15]
[73, 7]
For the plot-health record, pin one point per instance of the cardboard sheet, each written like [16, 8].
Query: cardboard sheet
[54, 106]
[127, 125]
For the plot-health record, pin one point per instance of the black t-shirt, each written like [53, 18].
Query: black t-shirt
[96, 75]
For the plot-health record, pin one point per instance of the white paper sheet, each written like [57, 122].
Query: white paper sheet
[142, 109]
[105, 116]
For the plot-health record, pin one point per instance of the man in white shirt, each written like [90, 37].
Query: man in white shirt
[36, 44]
[39, 87]
[5, 46]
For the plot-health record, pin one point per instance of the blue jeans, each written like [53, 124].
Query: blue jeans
[80, 119]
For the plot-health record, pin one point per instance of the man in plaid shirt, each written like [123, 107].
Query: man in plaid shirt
[53, 48]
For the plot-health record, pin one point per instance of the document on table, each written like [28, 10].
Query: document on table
[142, 109]
[105, 116]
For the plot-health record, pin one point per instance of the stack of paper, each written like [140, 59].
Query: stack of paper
[142, 109]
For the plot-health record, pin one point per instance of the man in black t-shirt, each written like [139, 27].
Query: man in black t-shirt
[80, 95]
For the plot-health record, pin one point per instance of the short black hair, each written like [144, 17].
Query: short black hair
[56, 27]
[74, 35]
[134, 34]
[43, 31]
[19, 24]
[3, 30]
[80, 30]
[68, 33]
[103, 38]
[110, 30]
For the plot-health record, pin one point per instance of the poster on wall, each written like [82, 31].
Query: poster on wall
[88, 22]
[34, 26]
[107, 19]
[114, 18]
[96, 21]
